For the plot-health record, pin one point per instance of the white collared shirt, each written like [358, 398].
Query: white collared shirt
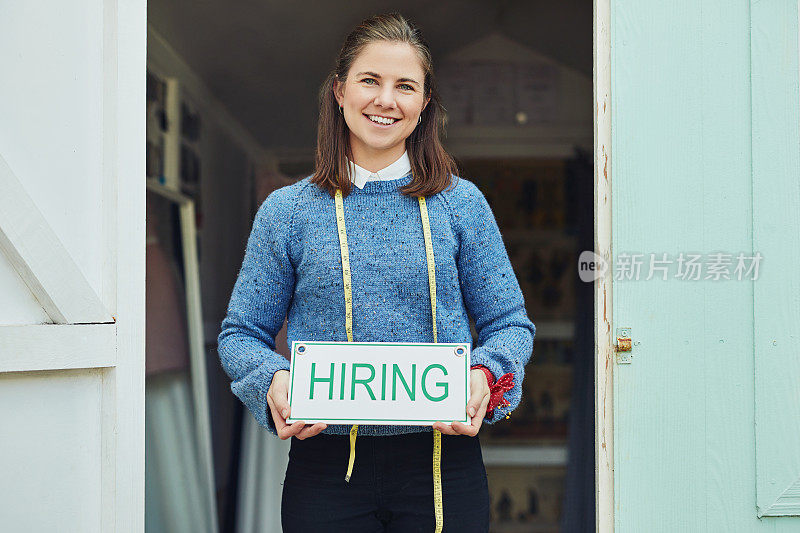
[360, 176]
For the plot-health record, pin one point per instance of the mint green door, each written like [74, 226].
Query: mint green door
[706, 162]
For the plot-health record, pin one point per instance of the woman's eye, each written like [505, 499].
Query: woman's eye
[410, 88]
[367, 79]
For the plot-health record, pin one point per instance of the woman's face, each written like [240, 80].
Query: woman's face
[385, 80]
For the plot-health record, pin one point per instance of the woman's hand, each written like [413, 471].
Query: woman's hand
[476, 407]
[278, 401]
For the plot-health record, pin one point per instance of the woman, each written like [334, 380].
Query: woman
[378, 144]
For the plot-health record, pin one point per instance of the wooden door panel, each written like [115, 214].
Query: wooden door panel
[776, 219]
[25, 308]
[72, 265]
[51, 435]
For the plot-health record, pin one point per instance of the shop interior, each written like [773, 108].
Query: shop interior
[231, 116]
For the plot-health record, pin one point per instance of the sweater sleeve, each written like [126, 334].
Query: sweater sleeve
[258, 306]
[491, 292]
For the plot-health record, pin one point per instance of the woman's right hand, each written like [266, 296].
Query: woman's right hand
[278, 401]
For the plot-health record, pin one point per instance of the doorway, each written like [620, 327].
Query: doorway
[516, 80]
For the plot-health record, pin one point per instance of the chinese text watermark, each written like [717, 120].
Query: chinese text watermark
[683, 266]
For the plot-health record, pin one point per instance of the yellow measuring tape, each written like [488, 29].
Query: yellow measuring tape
[348, 300]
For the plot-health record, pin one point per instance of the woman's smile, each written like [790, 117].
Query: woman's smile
[381, 122]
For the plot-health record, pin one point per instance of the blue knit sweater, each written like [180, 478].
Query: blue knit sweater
[292, 267]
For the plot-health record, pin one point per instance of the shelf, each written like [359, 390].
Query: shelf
[528, 527]
[552, 368]
[554, 329]
[539, 236]
[524, 455]
[154, 185]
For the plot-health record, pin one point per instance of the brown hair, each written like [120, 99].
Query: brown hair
[431, 165]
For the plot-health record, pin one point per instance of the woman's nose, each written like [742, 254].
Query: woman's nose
[385, 97]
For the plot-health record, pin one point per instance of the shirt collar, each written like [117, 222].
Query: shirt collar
[360, 176]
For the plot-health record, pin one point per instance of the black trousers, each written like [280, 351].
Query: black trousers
[391, 488]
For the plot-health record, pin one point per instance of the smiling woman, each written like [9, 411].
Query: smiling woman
[387, 97]
[380, 100]
[430, 232]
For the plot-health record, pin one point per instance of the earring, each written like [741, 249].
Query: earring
[420, 120]
[340, 111]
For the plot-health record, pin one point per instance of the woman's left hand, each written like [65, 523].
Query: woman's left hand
[476, 407]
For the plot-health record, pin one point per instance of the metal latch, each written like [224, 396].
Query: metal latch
[623, 345]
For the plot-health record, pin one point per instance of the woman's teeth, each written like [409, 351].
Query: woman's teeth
[381, 120]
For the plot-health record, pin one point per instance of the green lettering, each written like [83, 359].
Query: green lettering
[442, 384]
[329, 380]
[383, 381]
[364, 382]
[412, 392]
[341, 388]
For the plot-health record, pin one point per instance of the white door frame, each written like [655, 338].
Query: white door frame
[604, 345]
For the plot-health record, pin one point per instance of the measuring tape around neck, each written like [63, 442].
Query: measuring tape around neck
[348, 300]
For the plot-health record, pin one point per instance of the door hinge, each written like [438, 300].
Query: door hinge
[623, 346]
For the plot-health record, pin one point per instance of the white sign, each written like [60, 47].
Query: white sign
[379, 382]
